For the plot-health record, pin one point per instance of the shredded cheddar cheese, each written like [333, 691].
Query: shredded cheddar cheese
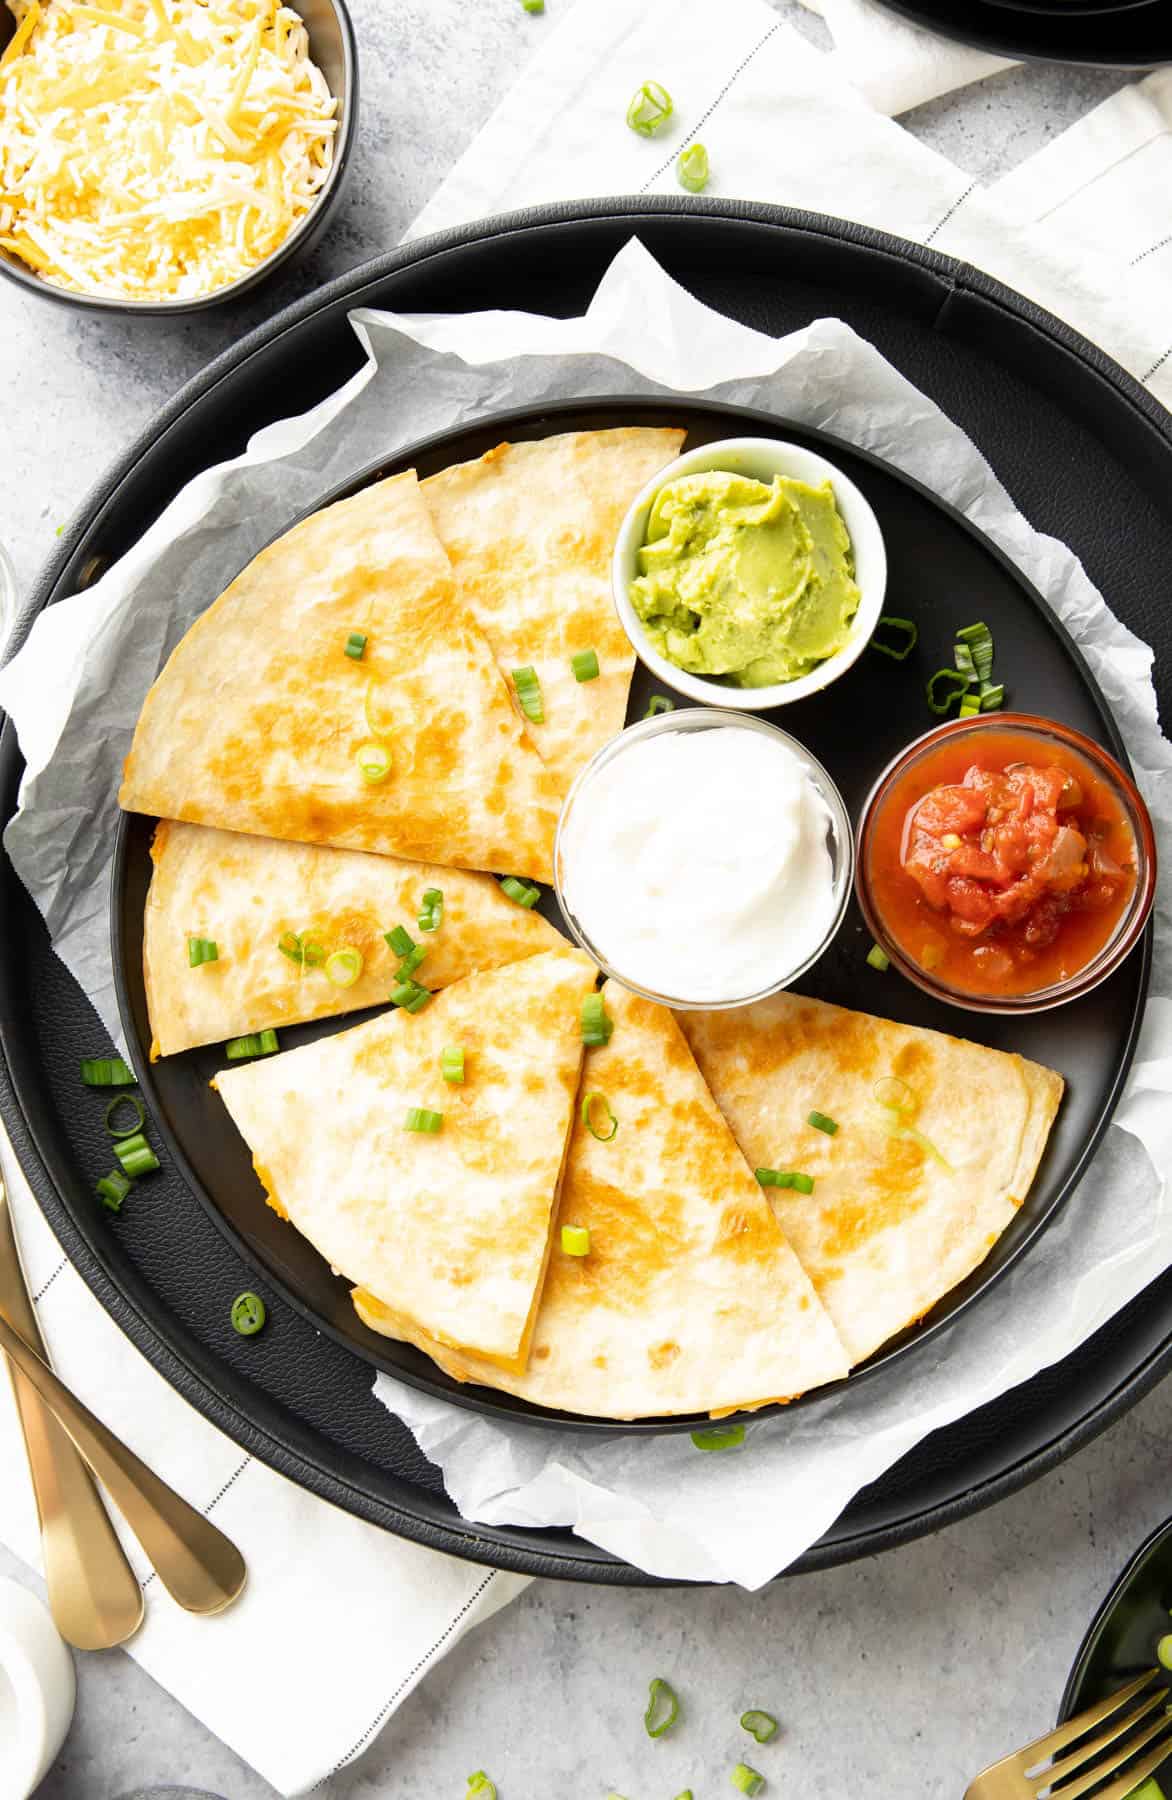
[157, 149]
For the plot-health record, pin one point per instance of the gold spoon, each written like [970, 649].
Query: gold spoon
[198, 1565]
[94, 1594]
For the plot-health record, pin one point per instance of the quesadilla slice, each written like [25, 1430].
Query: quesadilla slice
[688, 1299]
[448, 1226]
[530, 529]
[340, 693]
[936, 1145]
[300, 931]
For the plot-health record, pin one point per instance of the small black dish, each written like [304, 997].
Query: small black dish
[1135, 35]
[1121, 1641]
[1058, 9]
[333, 48]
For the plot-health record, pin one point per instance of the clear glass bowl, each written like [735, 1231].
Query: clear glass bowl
[691, 719]
[1130, 925]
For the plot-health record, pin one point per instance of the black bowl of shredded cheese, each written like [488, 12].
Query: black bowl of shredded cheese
[163, 156]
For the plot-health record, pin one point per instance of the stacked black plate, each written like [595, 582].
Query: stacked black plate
[1103, 34]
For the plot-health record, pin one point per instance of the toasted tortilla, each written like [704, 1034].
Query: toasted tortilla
[449, 1230]
[530, 529]
[257, 719]
[690, 1300]
[247, 892]
[889, 1227]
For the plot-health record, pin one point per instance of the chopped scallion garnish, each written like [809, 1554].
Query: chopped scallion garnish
[479, 1786]
[112, 1190]
[992, 696]
[305, 951]
[531, 6]
[663, 1708]
[421, 1118]
[258, 1043]
[410, 996]
[747, 1779]
[692, 169]
[529, 694]
[522, 893]
[597, 1024]
[760, 1725]
[136, 1155]
[411, 962]
[585, 665]
[820, 1122]
[786, 1178]
[1164, 1652]
[431, 910]
[576, 1240]
[343, 967]
[201, 950]
[878, 959]
[135, 1105]
[719, 1437]
[970, 706]
[356, 645]
[374, 762]
[904, 631]
[659, 703]
[452, 1064]
[899, 1101]
[400, 940]
[650, 109]
[589, 1102]
[943, 688]
[106, 1071]
[978, 641]
[248, 1314]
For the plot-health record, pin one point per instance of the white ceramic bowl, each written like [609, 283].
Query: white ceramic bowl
[761, 458]
[37, 1691]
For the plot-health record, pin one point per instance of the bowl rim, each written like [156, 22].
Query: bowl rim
[310, 222]
[800, 463]
[700, 718]
[1112, 953]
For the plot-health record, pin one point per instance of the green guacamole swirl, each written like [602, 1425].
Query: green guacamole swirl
[745, 580]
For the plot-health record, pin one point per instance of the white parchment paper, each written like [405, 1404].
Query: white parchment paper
[75, 690]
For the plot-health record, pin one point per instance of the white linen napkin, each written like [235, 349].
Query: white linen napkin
[896, 65]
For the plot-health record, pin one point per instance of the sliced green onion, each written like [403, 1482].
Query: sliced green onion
[258, 1043]
[760, 1725]
[201, 950]
[1164, 1652]
[719, 1437]
[421, 1118]
[112, 1190]
[411, 962]
[248, 1314]
[585, 665]
[747, 1779]
[587, 1111]
[897, 1098]
[479, 1784]
[136, 1155]
[597, 1024]
[686, 1795]
[821, 1123]
[305, 951]
[970, 706]
[400, 940]
[978, 641]
[529, 694]
[663, 1708]
[786, 1178]
[905, 631]
[955, 683]
[431, 910]
[529, 6]
[374, 762]
[523, 893]
[344, 966]
[964, 661]
[410, 996]
[692, 168]
[992, 696]
[135, 1105]
[356, 645]
[576, 1240]
[650, 109]
[452, 1064]
[878, 959]
[106, 1071]
[659, 703]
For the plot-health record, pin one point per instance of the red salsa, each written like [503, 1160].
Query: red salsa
[1001, 862]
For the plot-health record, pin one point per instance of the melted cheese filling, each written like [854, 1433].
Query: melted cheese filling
[157, 149]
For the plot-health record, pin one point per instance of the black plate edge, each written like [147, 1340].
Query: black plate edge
[996, 44]
[951, 279]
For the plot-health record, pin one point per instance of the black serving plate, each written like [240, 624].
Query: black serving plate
[1087, 454]
[937, 564]
[1128, 34]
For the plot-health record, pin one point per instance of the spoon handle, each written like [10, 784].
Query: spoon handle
[196, 1563]
[94, 1594]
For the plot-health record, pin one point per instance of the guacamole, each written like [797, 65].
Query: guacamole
[744, 580]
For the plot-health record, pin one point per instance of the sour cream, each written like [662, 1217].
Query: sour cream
[694, 860]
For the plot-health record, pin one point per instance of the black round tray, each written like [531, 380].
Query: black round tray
[855, 727]
[1137, 36]
[1087, 454]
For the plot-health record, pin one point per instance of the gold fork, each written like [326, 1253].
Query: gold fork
[1035, 1771]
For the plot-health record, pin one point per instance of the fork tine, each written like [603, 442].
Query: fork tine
[1084, 1750]
[1127, 1784]
[1071, 1790]
[1054, 1741]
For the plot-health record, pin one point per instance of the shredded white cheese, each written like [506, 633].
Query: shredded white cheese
[157, 149]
